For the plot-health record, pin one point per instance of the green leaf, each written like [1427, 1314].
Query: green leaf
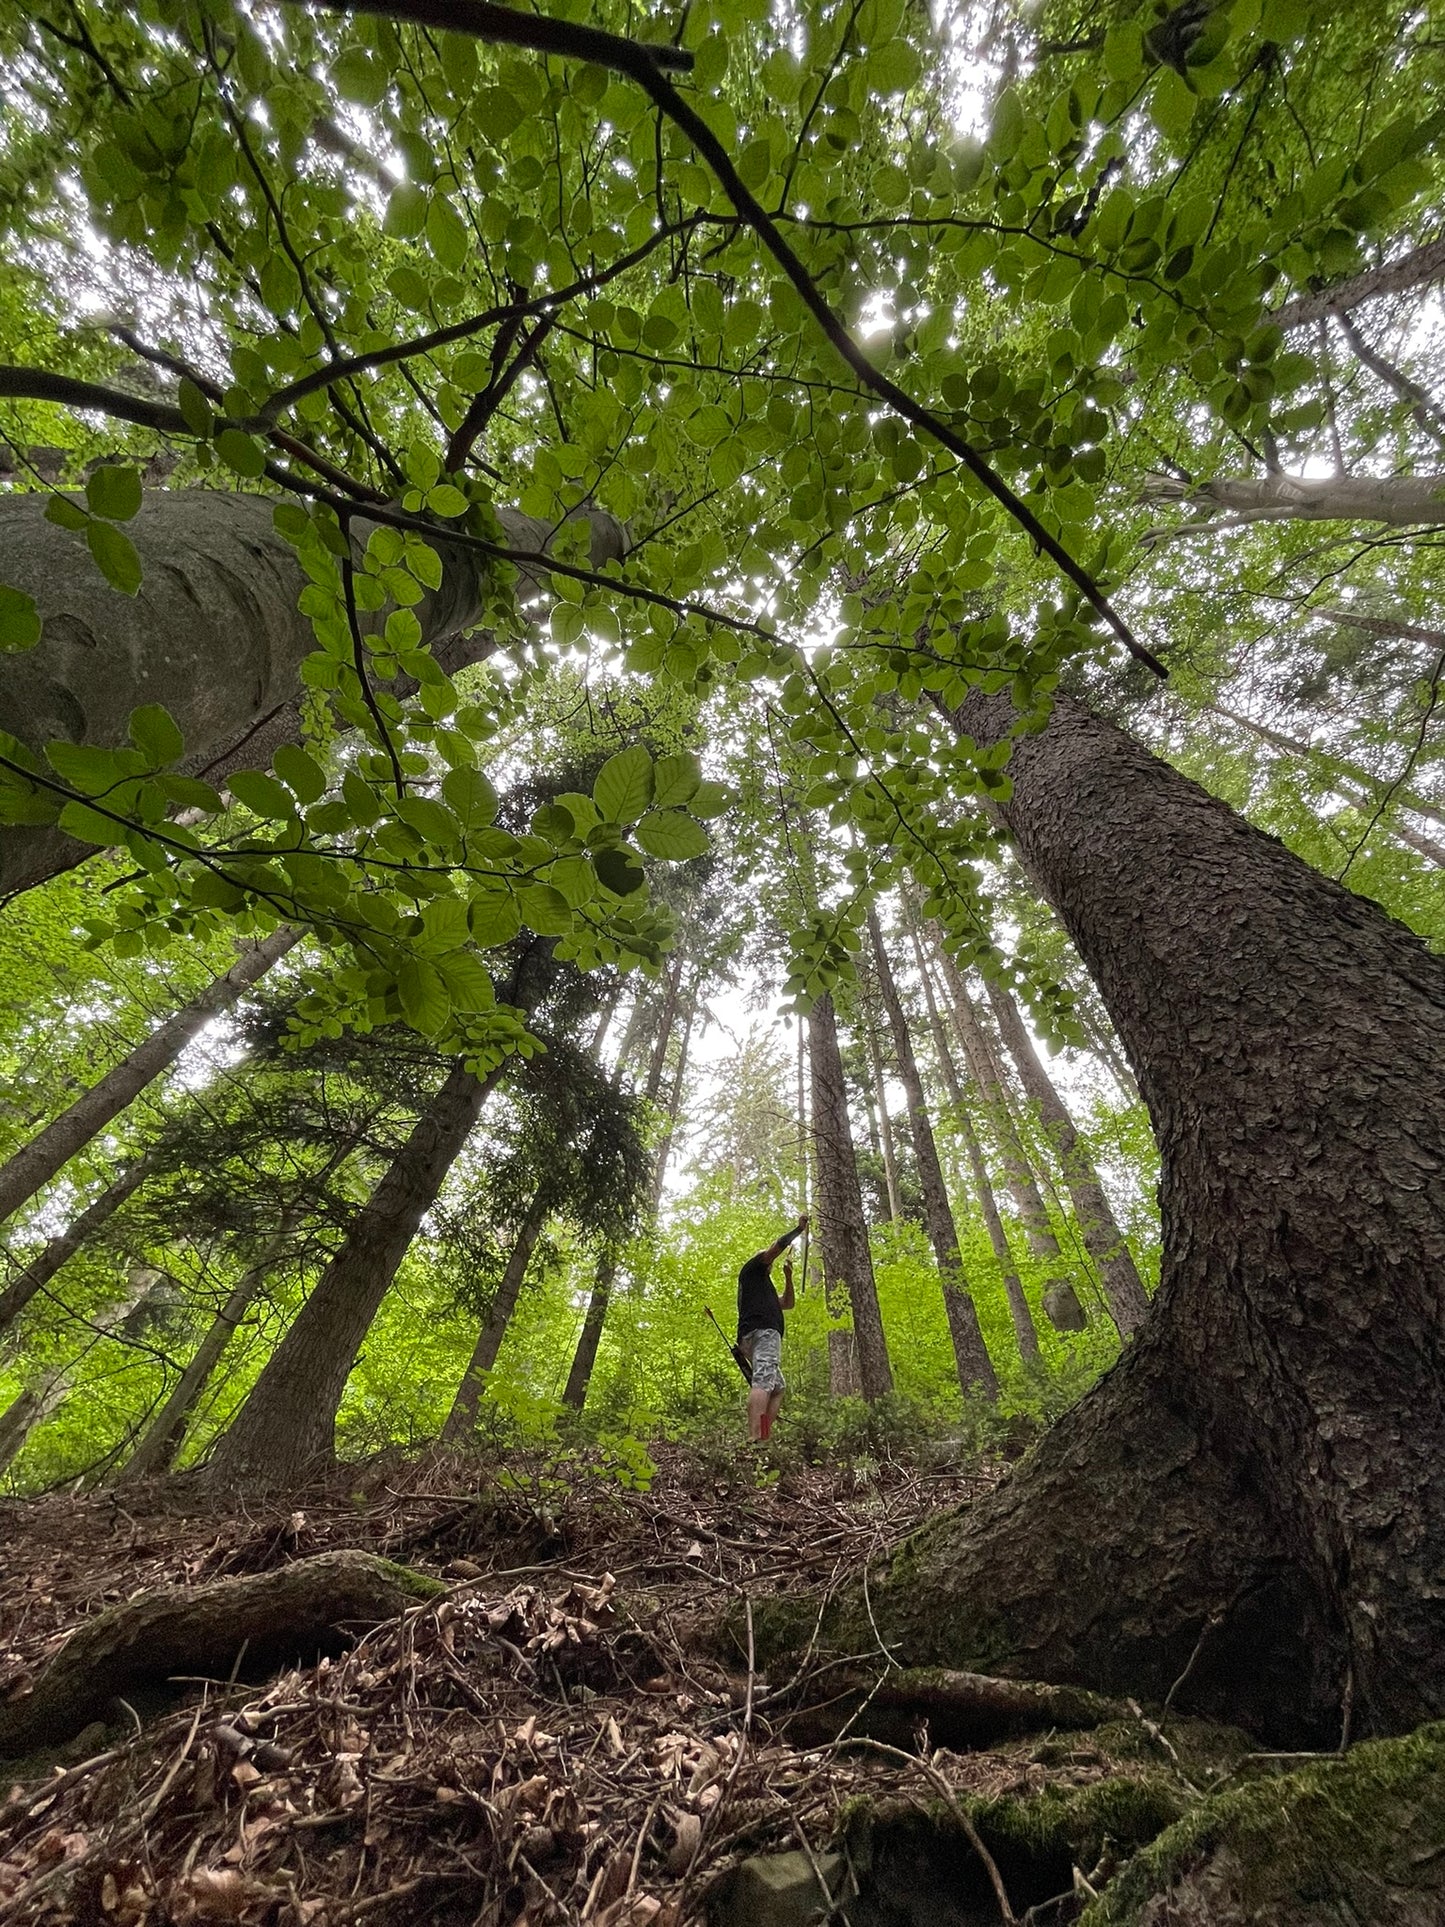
[191, 793]
[77, 820]
[424, 996]
[262, 794]
[545, 910]
[494, 918]
[447, 500]
[671, 834]
[360, 798]
[471, 796]
[299, 772]
[575, 878]
[156, 735]
[623, 788]
[199, 415]
[66, 514]
[114, 491]
[405, 211]
[674, 780]
[467, 980]
[115, 555]
[241, 452]
[617, 870]
[19, 621]
[710, 800]
[428, 818]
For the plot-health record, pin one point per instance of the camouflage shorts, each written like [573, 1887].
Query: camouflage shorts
[765, 1354]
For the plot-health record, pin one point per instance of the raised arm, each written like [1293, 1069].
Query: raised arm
[775, 1251]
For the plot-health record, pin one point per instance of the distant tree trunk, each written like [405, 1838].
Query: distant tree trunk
[585, 1356]
[37, 1162]
[975, 1368]
[462, 1419]
[43, 1267]
[674, 1106]
[1023, 1189]
[843, 1234]
[662, 1036]
[1417, 269]
[1399, 501]
[1256, 1491]
[286, 1428]
[890, 1156]
[1103, 1240]
[1025, 1331]
[161, 1442]
[47, 1392]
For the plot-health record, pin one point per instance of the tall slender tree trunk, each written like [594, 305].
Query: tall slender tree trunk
[1103, 1240]
[890, 1155]
[286, 1428]
[43, 1267]
[37, 1162]
[1256, 1491]
[462, 1419]
[674, 1106]
[843, 1233]
[584, 1358]
[161, 1442]
[1026, 1333]
[975, 1368]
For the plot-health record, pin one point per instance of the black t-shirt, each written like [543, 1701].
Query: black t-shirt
[759, 1308]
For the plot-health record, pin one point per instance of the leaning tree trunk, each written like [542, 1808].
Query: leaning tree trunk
[213, 567]
[1025, 1331]
[1256, 1492]
[885, 1122]
[584, 1358]
[975, 1368]
[461, 1421]
[1103, 1240]
[37, 1162]
[1417, 269]
[842, 1231]
[287, 1426]
[64, 1245]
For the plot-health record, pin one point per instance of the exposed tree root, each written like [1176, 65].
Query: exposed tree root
[957, 1709]
[263, 1620]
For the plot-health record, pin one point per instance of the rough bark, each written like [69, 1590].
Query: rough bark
[843, 1234]
[890, 1155]
[1399, 501]
[162, 1439]
[214, 634]
[43, 1267]
[1103, 1240]
[975, 1368]
[584, 1359]
[1020, 1316]
[1255, 1494]
[673, 1107]
[267, 1618]
[37, 1162]
[286, 1427]
[1417, 269]
[461, 1421]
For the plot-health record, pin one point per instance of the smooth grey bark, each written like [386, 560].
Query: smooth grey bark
[286, 1428]
[843, 1233]
[1407, 391]
[1417, 269]
[1399, 501]
[975, 1368]
[43, 1267]
[1256, 1491]
[1026, 1333]
[37, 1162]
[673, 1107]
[890, 1155]
[1098, 1227]
[214, 635]
[461, 1421]
[584, 1359]
[162, 1440]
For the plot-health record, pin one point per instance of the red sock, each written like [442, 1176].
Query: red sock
[765, 1426]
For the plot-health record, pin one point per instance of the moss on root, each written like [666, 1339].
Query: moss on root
[1360, 1838]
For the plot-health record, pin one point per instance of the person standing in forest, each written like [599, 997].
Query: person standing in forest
[760, 1329]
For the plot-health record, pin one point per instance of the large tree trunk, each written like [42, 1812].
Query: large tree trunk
[461, 1421]
[1256, 1491]
[1400, 501]
[37, 1162]
[842, 1231]
[975, 1368]
[1103, 1240]
[584, 1358]
[1021, 1317]
[1417, 269]
[213, 567]
[64, 1245]
[287, 1426]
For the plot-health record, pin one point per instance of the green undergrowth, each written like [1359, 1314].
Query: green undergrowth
[1359, 1838]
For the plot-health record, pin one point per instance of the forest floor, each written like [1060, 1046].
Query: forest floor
[563, 1734]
